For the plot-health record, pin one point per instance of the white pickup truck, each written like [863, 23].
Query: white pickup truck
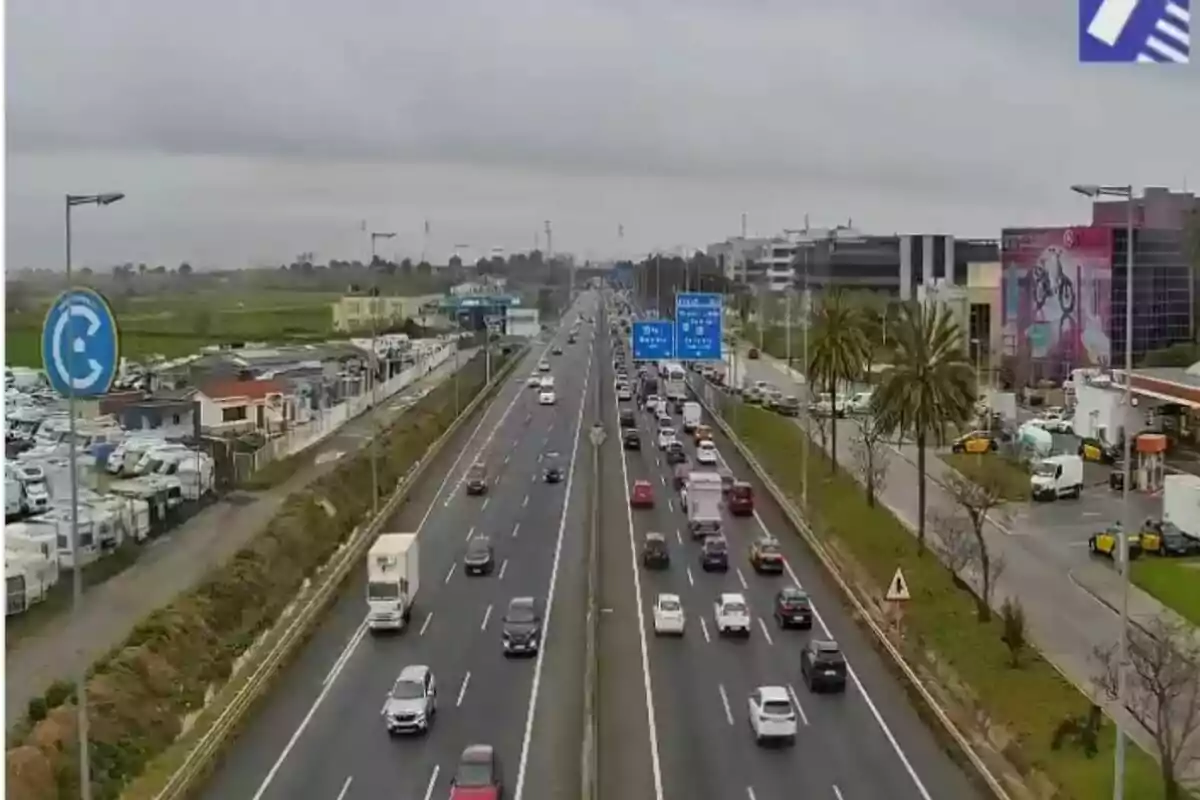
[732, 613]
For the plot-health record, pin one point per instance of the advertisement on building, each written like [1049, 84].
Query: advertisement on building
[1056, 301]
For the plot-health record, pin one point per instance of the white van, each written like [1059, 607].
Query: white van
[1057, 476]
[691, 415]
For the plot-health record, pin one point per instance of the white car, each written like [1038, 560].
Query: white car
[706, 453]
[772, 716]
[668, 615]
[665, 437]
[652, 404]
[547, 397]
[1053, 424]
[732, 613]
[535, 381]
[543, 366]
[624, 393]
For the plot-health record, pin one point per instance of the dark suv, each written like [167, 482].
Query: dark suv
[714, 554]
[479, 558]
[655, 554]
[522, 630]
[823, 666]
[628, 420]
[792, 608]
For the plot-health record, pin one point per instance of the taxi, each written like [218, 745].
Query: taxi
[974, 442]
[1105, 543]
[1165, 539]
[702, 433]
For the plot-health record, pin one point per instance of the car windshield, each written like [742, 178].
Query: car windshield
[668, 605]
[382, 591]
[408, 690]
[714, 544]
[795, 599]
[768, 548]
[735, 608]
[666, 432]
[520, 613]
[1045, 469]
[777, 708]
[473, 774]
[477, 547]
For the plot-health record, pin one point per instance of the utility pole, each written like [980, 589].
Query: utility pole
[807, 309]
[376, 236]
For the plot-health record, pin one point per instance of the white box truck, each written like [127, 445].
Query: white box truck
[701, 497]
[392, 580]
[1181, 503]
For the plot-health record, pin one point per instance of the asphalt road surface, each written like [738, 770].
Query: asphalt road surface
[320, 732]
[867, 743]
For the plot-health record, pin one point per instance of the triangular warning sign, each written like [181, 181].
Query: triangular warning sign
[898, 588]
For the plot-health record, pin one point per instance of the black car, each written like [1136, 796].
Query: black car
[1176, 544]
[553, 471]
[571, 339]
[655, 554]
[823, 666]
[557, 351]
[628, 418]
[792, 608]
[479, 558]
[714, 554]
[522, 628]
[676, 454]
[632, 440]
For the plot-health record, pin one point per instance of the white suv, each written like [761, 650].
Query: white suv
[668, 614]
[772, 715]
[665, 437]
[706, 453]
[732, 613]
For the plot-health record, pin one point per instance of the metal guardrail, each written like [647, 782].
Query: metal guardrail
[293, 631]
[801, 525]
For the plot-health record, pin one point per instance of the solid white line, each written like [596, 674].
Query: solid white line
[765, 632]
[837, 792]
[486, 500]
[796, 702]
[486, 616]
[462, 691]
[432, 782]
[725, 702]
[345, 787]
[704, 629]
[691, 581]
[340, 662]
[450, 574]
[562, 527]
[516, 528]
[503, 566]
[742, 579]
[678, 536]
[647, 681]
[425, 624]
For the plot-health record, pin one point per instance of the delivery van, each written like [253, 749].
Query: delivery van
[1057, 476]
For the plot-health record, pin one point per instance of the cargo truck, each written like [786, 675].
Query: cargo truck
[392, 580]
[701, 497]
[1181, 503]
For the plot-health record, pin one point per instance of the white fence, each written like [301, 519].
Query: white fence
[327, 421]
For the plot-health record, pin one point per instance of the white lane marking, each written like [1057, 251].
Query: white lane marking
[670, 506]
[462, 690]
[678, 536]
[432, 782]
[506, 458]
[796, 702]
[471, 532]
[340, 662]
[763, 626]
[450, 574]
[691, 580]
[725, 703]
[516, 529]
[525, 502]
[503, 566]
[837, 792]
[750, 793]
[742, 578]
[533, 478]
[704, 629]
[662, 479]
[486, 616]
[425, 624]
[562, 527]
[345, 787]
[486, 500]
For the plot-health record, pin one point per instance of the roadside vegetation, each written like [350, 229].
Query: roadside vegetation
[148, 690]
[1011, 476]
[1173, 582]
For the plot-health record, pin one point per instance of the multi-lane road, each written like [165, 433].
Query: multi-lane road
[866, 743]
[673, 713]
[320, 732]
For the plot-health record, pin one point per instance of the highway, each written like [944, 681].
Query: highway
[320, 732]
[866, 744]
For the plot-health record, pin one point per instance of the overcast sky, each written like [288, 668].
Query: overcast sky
[245, 132]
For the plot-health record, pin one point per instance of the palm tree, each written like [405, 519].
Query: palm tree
[930, 383]
[837, 352]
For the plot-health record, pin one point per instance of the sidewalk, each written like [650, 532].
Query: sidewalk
[178, 561]
[1068, 619]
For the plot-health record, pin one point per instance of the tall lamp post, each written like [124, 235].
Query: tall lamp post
[375, 237]
[85, 765]
[1127, 193]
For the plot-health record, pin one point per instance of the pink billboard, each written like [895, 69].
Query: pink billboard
[1057, 297]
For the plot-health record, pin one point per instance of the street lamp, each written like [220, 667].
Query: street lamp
[375, 237]
[1126, 192]
[85, 771]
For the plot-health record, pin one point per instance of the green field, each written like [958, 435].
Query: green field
[1174, 582]
[179, 324]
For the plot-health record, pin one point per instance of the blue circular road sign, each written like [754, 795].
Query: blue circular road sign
[81, 345]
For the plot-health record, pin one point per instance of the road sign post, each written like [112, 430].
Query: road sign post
[698, 323]
[653, 340]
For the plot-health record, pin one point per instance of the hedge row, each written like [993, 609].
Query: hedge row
[141, 692]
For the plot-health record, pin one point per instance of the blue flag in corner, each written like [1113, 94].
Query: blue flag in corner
[1135, 31]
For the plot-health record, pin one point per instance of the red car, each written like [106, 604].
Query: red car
[477, 776]
[642, 495]
[741, 499]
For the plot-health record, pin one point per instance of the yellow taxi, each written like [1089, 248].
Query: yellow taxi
[1105, 543]
[1165, 539]
[974, 442]
[703, 433]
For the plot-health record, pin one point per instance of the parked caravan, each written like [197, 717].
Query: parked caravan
[33, 536]
[34, 490]
[125, 457]
[14, 494]
[28, 577]
[155, 496]
[132, 513]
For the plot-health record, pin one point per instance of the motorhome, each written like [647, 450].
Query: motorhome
[392, 580]
[98, 533]
[14, 494]
[33, 536]
[155, 496]
[28, 577]
[192, 468]
[35, 492]
[132, 514]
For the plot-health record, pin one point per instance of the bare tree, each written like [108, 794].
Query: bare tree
[819, 424]
[1162, 690]
[871, 456]
[977, 498]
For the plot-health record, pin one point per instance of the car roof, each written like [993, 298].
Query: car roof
[654, 536]
[732, 597]
[413, 672]
[642, 482]
[774, 694]
[826, 646]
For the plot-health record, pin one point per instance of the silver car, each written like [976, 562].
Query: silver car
[412, 703]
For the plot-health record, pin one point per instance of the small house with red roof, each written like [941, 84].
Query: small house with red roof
[230, 404]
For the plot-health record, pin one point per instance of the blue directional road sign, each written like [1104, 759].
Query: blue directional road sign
[653, 340]
[81, 346]
[698, 324]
